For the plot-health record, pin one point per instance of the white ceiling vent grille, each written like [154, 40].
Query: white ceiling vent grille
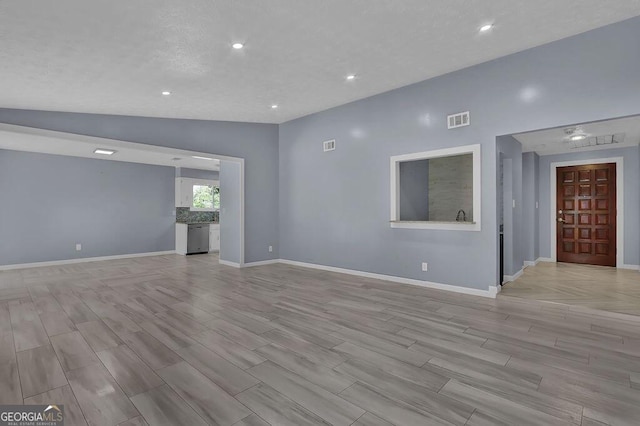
[458, 120]
[329, 145]
[596, 141]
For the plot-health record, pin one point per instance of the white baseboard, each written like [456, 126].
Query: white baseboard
[492, 292]
[82, 260]
[495, 289]
[261, 263]
[227, 263]
[544, 259]
[528, 263]
[509, 278]
[632, 267]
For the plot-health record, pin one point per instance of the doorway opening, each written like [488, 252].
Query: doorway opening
[231, 186]
[577, 193]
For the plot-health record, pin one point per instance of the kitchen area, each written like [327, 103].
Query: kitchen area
[197, 196]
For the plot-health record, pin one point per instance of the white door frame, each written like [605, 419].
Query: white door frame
[242, 213]
[619, 203]
[241, 264]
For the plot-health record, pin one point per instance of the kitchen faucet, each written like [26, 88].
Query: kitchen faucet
[464, 216]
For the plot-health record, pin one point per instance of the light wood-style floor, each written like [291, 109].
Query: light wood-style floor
[175, 340]
[583, 287]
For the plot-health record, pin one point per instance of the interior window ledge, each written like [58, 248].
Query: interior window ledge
[445, 226]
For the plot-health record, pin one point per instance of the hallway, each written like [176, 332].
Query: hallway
[581, 286]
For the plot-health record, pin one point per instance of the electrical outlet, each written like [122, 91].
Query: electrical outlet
[514, 204]
[78, 247]
[537, 205]
[425, 266]
[270, 249]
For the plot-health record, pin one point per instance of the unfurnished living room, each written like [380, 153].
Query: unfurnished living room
[285, 212]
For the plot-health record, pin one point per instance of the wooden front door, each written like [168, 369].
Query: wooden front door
[586, 214]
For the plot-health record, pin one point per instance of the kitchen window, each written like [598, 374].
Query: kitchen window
[206, 197]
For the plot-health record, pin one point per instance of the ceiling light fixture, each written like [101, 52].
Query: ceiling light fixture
[274, 106]
[351, 77]
[104, 151]
[486, 28]
[237, 46]
[197, 157]
[575, 134]
[166, 93]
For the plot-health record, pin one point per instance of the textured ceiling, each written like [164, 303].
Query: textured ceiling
[556, 141]
[116, 56]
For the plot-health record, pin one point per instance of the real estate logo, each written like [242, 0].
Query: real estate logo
[32, 415]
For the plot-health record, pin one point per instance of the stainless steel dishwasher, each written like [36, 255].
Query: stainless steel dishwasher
[198, 238]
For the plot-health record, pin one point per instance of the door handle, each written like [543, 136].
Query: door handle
[561, 220]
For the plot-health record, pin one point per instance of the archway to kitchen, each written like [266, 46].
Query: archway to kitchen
[161, 162]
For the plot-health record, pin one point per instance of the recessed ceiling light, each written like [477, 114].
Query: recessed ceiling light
[351, 76]
[578, 137]
[274, 106]
[197, 157]
[166, 93]
[104, 151]
[237, 45]
[485, 28]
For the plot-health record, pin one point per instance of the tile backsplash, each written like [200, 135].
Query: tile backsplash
[185, 215]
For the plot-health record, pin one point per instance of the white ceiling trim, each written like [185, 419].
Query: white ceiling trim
[28, 139]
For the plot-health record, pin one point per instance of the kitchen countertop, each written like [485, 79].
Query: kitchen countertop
[198, 223]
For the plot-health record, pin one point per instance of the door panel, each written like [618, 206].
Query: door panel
[586, 199]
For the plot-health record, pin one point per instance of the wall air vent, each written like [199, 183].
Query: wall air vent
[329, 145]
[458, 120]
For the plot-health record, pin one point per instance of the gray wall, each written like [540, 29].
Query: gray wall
[514, 237]
[414, 190]
[530, 227]
[50, 203]
[536, 216]
[334, 207]
[510, 266]
[451, 187]
[256, 143]
[230, 213]
[500, 190]
[197, 174]
[631, 166]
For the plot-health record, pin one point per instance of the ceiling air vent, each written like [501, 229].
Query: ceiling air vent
[596, 141]
[458, 120]
[329, 145]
